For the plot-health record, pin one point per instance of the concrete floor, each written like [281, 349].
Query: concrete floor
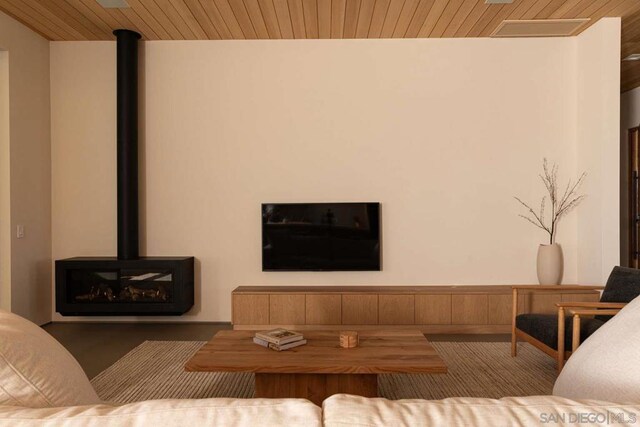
[97, 346]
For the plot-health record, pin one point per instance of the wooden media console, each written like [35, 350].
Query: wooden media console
[433, 309]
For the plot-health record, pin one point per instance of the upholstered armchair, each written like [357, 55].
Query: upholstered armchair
[574, 322]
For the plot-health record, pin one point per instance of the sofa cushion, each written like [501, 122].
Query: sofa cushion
[544, 327]
[173, 413]
[348, 411]
[36, 371]
[605, 366]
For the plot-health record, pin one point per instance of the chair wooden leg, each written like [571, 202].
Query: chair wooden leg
[575, 341]
[561, 333]
[514, 338]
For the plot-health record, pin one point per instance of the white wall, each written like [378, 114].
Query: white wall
[629, 118]
[27, 195]
[442, 132]
[598, 136]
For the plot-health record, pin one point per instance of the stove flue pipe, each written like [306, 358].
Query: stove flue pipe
[127, 143]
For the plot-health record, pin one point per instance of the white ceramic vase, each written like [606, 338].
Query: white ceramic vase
[550, 264]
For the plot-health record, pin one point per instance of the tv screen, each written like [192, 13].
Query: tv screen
[321, 237]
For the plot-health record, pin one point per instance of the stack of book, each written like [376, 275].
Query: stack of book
[279, 339]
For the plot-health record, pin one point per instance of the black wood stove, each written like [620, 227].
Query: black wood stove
[127, 284]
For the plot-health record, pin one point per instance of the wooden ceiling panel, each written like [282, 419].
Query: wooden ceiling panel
[437, 14]
[444, 19]
[406, 16]
[296, 14]
[551, 7]
[351, 12]
[391, 19]
[364, 19]
[270, 17]
[520, 9]
[284, 19]
[131, 17]
[310, 12]
[222, 16]
[377, 19]
[30, 20]
[420, 17]
[487, 17]
[592, 8]
[239, 14]
[473, 17]
[70, 16]
[338, 10]
[536, 8]
[324, 19]
[460, 17]
[312, 19]
[203, 18]
[180, 14]
[255, 16]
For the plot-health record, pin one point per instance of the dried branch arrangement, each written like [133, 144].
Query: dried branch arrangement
[560, 206]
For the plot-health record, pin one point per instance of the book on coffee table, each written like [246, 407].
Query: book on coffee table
[281, 347]
[261, 342]
[279, 336]
[298, 343]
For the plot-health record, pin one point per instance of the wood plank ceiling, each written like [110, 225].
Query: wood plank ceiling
[312, 19]
[630, 70]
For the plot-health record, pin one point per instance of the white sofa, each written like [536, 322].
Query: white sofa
[41, 384]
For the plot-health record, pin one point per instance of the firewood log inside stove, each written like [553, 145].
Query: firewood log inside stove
[99, 292]
[133, 293]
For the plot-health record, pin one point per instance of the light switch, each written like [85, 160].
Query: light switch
[20, 231]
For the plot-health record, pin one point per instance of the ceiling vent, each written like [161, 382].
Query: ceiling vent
[539, 27]
[113, 4]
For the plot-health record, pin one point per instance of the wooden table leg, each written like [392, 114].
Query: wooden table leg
[315, 387]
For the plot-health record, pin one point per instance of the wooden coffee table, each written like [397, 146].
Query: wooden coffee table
[320, 368]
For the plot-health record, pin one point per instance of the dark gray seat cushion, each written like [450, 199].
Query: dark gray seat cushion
[544, 328]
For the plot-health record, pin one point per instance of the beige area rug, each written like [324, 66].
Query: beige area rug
[154, 370]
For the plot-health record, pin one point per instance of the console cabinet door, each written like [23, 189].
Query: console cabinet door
[469, 309]
[433, 309]
[287, 309]
[396, 309]
[323, 309]
[359, 309]
[499, 310]
[251, 309]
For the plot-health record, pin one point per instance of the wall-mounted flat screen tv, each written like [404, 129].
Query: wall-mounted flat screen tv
[321, 237]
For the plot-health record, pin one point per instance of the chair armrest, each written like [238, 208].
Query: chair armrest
[594, 312]
[575, 337]
[557, 287]
[603, 305]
